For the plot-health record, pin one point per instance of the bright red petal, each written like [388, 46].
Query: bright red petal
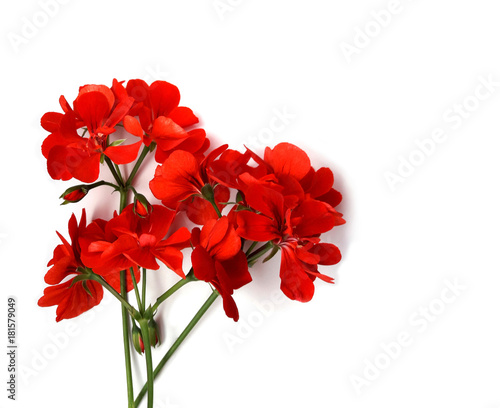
[203, 264]
[288, 159]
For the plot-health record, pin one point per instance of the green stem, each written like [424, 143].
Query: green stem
[116, 176]
[149, 360]
[259, 252]
[189, 278]
[178, 342]
[144, 286]
[123, 199]
[140, 304]
[123, 299]
[143, 155]
[126, 341]
[251, 248]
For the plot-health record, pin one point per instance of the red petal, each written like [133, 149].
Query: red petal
[183, 116]
[295, 282]
[203, 264]
[93, 108]
[123, 154]
[230, 307]
[177, 179]
[314, 217]
[256, 227]
[322, 182]
[172, 258]
[266, 201]
[329, 254]
[332, 197]
[51, 121]
[236, 269]
[288, 159]
[164, 98]
[133, 126]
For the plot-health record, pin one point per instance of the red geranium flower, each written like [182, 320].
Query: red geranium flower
[162, 119]
[217, 258]
[99, 110]
[73, 296]
[128, 240]
[296, 232]
[182, 176]
[285, 169]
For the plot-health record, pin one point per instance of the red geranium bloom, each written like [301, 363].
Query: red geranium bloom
[99, 110]
[128, 240]
[296, 232]
[72, 296]
[162, 119]
[217, 258]
[285, 169]
[182, 176]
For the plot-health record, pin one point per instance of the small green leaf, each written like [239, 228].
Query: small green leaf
[117, 142]
[273, 252]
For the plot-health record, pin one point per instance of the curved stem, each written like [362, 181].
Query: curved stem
[189, 278]
[144, 286]
[149, 360]
[140, 303]
[178, 342]
[116, 176]
[143, 155]
[259, 252]
[126, 342]
[127, 306]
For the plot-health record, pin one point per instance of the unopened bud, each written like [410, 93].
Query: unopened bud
[74, 194]
[142, 208]
[154, 333]
[137, 339]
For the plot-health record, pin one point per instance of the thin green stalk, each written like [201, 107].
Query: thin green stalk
[144, 286]
[140, 303]
[178, 342]
[189, 278]
[118, 171]
[123, 199]
[149, 360]
[251, 248]
[143, 155]
[112, 169]
[259, 252]
[126, 342]
[127, 306]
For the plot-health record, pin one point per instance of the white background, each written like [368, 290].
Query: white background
[361, 114]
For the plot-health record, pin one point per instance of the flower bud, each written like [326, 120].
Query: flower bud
[137, 339]
[142, 208]
[74, 194]
[154, 333]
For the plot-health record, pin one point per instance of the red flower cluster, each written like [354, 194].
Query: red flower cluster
[98, 110]
[279, 200]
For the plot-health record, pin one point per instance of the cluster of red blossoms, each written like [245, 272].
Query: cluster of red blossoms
[243, 205]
